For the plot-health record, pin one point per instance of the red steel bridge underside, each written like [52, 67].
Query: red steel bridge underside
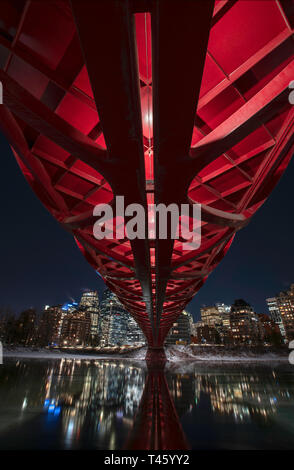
[167, 101]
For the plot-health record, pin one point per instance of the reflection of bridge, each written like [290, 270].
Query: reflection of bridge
[157, 424]
[188, 102]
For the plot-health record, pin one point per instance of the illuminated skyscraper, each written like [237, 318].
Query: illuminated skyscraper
[244, 322]
[116, 325]
[275, 314]
[134, 333]
[281, 310]
[90, 303]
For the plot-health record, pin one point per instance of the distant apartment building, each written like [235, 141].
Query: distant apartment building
[281, 309]
[269, 331]
[50, 325]
[244, 323]
[76, 329]
[210, 315]
[224, 311]
[65, 324]
[180, 332]
[218, 314]
[207, 334]
[216, 317]
[25, 327]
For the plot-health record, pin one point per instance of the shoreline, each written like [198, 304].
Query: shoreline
[174, 354]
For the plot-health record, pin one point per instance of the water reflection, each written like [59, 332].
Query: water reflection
[102, 404]
[91, 403]
[156, 424]
[243, 396]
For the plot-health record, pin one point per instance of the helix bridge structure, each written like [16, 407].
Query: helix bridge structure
[161, 102]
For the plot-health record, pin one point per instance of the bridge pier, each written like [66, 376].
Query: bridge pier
[155, 357]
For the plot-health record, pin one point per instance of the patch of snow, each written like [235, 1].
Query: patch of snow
[28, 353]
[174, 354]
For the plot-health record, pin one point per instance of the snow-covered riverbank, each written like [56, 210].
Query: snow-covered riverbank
[28, 353]
[212, 354]
[218, 354]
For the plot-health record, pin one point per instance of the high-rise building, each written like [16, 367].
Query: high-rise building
[210, 315]
[76, 329]
[70, 323]
[191, 322]
[116, 325]
[275, 314]
[281, 310]
[180, 332]
[90, 302]
[244, 322]
[109, 306]
[218, 314]
[224, 311]
[50, 325]
[134, 333]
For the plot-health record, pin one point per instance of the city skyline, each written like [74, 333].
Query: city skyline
[105, 324]
[104, 321]
[74, 303]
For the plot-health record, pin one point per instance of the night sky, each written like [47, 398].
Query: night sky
[41, 264]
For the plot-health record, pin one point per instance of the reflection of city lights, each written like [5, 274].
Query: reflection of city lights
[102, 397]
[241, 397]
[105, 383]
[70, 429]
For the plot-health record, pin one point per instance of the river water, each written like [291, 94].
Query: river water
[79, 404]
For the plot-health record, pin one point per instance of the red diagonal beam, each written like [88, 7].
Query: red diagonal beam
[14, 135]
[274, 159]
[37, 115]
[265, 51]
[259, 109]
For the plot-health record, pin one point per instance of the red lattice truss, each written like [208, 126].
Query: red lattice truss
[159, 101]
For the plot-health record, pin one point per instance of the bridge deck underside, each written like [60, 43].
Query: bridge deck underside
[159, 102]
